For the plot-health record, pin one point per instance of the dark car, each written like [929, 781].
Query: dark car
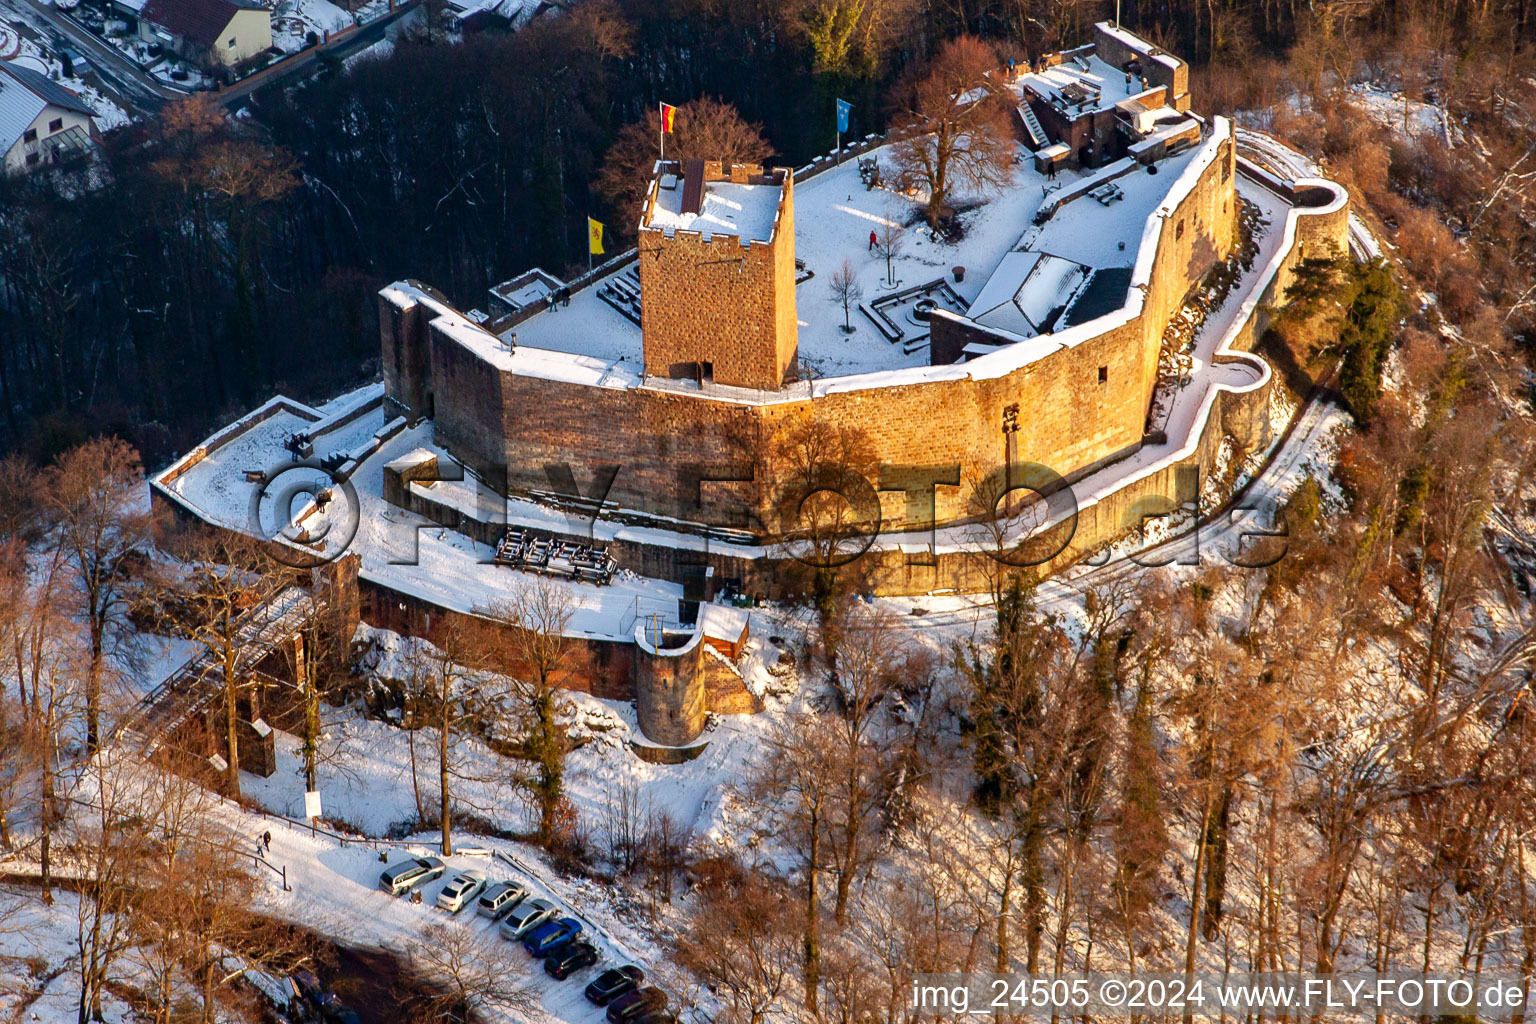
[330, 1006]
[306, 987]
[543, 939]
[343, 1015]
[612, 983]
[572, 956]
[632, 1004]
[661, 1016]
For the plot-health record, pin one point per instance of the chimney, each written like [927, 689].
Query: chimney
[693, 186]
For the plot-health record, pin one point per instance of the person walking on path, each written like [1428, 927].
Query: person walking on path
[266, 838]
[872, 241]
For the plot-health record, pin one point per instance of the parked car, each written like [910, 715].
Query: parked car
[569, 958]
[612, 983]
[408, 874]
[638, 1001]
[525, 917]
[306, 987]
[342, 1015]
[542, 940]
[658, 1016]
[460, 891]
[500, 898]
[330, 1005]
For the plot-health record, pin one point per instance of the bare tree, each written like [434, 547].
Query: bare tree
[869, 656]
[621, 824]
[890, 238]
[448, 686]
[846, 291]
[47, 659]
[954, 127]
[702, 129]
[537, 654]
[229, 588]
[94, 496]
[467, 977]
[742, 942]
[796, 786]
[113, 843]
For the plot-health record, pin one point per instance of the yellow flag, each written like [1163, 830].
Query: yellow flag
[594, 237]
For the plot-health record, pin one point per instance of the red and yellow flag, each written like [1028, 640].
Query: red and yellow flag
[668, 114]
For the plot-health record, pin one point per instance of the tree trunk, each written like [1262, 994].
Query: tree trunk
[444, 818]
[812, 918]
[93, 692]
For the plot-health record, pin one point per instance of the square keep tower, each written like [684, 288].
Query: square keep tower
[717, 273]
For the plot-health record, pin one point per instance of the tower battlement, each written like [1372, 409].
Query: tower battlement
[717, 273]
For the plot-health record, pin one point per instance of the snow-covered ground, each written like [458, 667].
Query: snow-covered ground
[294, 20]
[39, 961]
[834, 215]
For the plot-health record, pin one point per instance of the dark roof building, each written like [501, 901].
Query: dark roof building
[227, 30]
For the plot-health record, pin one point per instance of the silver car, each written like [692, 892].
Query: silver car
[525, 917]
[500, 898]
[460, 891]
[408, 874]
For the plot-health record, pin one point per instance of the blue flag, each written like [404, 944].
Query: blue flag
[844, 108]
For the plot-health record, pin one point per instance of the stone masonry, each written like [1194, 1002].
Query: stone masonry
[721, 307]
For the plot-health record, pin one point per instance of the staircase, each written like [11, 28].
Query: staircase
[200, 681]
[1037, 137]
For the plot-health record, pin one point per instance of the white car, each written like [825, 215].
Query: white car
[525, 917]
[461, 890]
[500, 898]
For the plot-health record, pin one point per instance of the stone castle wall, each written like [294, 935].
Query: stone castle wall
[659, 444]
[668, 437]
[670, 690]
[511, 427]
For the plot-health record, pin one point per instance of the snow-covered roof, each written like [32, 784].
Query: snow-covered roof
[24, 94]
[19, 107]
[1083, 83]
[723, 622]
[591, 341]
[1028, 292]
[729, 208]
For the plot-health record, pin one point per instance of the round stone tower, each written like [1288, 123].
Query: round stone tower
[669, 685]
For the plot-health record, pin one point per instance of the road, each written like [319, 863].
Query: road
[134, 87]
[341, 49]
[143, 93]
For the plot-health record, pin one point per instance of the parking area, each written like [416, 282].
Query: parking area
[335, 889]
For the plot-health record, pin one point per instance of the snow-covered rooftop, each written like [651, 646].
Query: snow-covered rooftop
[1082, 83]
[1028, 292]
[399, 549]
[1101, 219]
[729, 208]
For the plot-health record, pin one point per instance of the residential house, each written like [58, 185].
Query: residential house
[41, 122]
[209, 33]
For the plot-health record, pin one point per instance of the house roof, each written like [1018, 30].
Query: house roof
[200, 21]
[24, 94]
